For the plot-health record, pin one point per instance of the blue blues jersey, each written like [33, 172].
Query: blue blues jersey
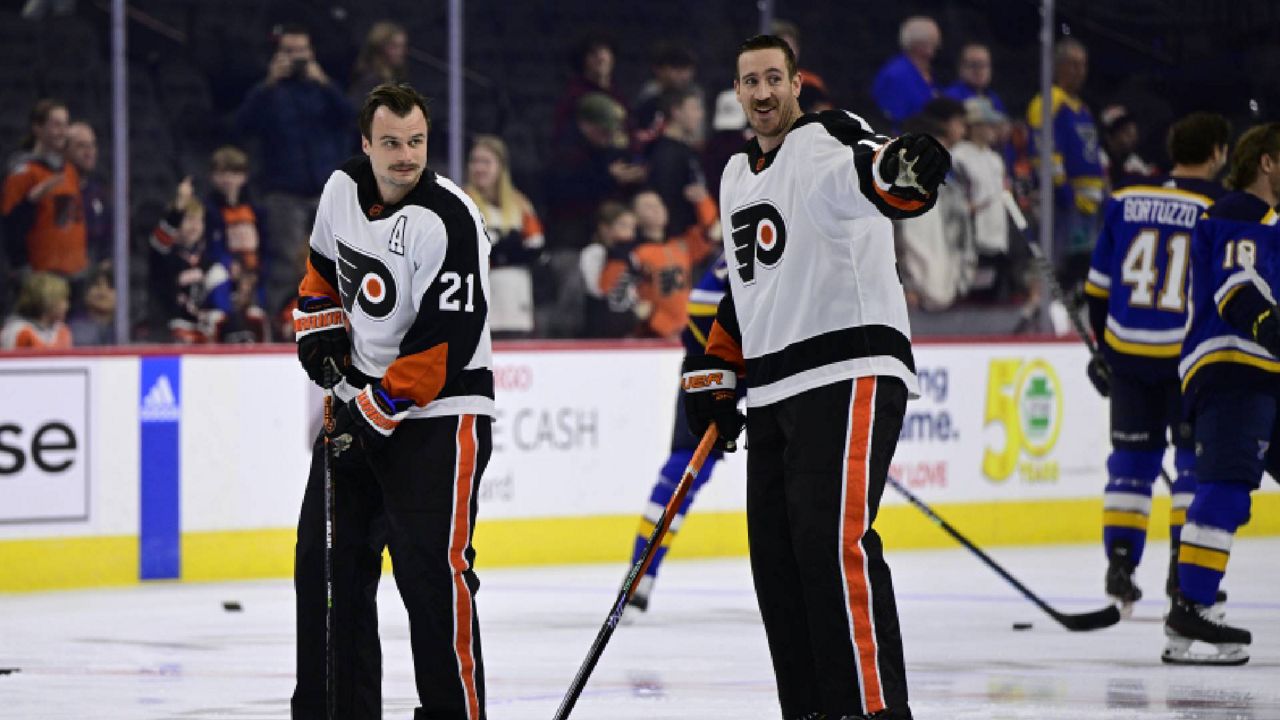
[704, 300]
[1138, 275]
[1235, 261]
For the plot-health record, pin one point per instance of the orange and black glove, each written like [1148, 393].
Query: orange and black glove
[320, 329]
[710, 396]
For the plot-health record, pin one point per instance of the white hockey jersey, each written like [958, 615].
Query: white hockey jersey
[413, 279]
[814, 293]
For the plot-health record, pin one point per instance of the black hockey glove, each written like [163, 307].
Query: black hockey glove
[1266, 330]
[709, 385]
[914, 165]
[320, 330]
[362, 425]
[1100, 375]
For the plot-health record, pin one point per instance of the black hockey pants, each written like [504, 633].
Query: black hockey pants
[418, 497]
[816, 467]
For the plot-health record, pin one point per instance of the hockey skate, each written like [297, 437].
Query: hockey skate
[1188, 622]
[1119, 580]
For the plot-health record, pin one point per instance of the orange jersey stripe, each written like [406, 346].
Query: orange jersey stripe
[314, 285]
[420, 376]
[852, 558]
[721, 344]
[464, 482]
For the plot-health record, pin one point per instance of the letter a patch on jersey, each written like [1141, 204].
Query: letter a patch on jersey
[366, 282]
[759, 236]
[396, 244]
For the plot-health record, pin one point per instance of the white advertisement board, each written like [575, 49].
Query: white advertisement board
[44, 445]
[1004, 421]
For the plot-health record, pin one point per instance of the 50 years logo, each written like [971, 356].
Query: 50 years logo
[1024, 398]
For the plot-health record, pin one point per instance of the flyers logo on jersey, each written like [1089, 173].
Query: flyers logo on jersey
[365, 281]
[759, 237]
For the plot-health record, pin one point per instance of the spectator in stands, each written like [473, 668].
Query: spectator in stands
[1077, 172]
[814, 95]
[302, 122]
[82, 152]
[977, 160]
[592, 60]
[383, 58]
[95, 323]
[514, 231]
[662, 269]
[673, 70]
[675, 173]
[974, 71]
[905, 83]
[729, 134]
[245, 321]
[40, 202]
[190, 288]
[1121, 163]
[591, 166]
[234, 225]
[613, 307]
[936, 251]
[38, 320]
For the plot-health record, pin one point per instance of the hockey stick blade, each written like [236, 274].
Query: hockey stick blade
[637, 571]
[1096, 620]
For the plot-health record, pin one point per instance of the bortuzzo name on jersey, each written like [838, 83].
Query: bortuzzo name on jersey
[1164, 212]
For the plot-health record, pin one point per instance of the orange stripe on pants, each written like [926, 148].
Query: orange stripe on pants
[462, 489]
[852, 558]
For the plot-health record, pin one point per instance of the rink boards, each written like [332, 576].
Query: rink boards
[150, 466]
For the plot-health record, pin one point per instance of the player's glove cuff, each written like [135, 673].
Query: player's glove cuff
[380, 412]
[315, 315]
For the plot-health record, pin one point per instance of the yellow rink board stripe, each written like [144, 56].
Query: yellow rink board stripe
[47, 564]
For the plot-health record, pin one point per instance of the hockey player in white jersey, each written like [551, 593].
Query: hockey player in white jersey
[396, 294]
[815, 323]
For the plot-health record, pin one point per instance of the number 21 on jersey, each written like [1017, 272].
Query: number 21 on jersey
[453, 283]
[1139, 272]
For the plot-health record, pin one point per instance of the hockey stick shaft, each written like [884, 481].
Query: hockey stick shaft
[1046, 271]
[637, 571]
[1084, 621]
[330, 656]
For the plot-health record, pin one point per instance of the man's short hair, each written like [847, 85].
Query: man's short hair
[765, 42]
[943, 109]
[1065, 46]
[674, 98]
[399, 98]
[229, 158]
[587, 44]
[1257, 141]
[915, 29]
[291, 28]
[43, 108]
[1193, 139]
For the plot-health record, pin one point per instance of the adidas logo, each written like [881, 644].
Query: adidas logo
[160, 404]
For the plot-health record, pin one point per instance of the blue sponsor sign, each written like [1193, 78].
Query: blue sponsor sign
[160, 415]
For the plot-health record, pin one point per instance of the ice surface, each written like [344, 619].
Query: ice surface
[171, 651]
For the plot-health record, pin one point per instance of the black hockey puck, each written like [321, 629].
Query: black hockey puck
[231, 606]
[9, 670]
[1022, 626]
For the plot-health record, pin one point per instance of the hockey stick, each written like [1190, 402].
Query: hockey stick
[637, 571]
[1051, 281]
[331, 375]
[1095, 620]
